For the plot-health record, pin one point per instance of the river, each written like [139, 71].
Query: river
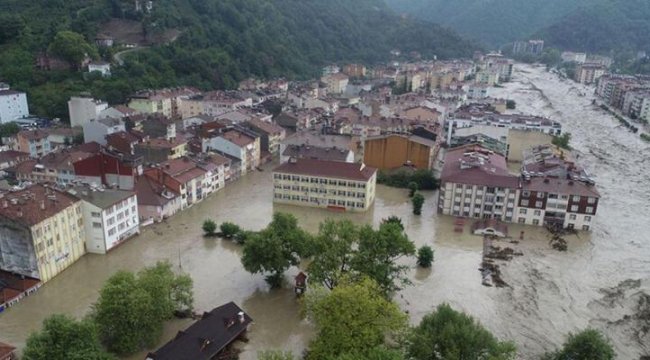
[595, 283]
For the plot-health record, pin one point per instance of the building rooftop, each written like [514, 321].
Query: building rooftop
[12, 155]
[329, 169]
[476, 165]
[559, 186]
[36, 134]
[34, 204]
[238, 138]
[316, 152]
[151, 193]
[111, 121]
[207, 337]
[267, 127]
[10, 92]
[102, 198]
[6, 350]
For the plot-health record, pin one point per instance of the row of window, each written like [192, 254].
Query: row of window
[360, 195]
[350, 204]
[322, 181]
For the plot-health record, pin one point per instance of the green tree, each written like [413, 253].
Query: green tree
[563, 141]
[378, 353]
[126, 315]
[209, 227]
[72, 47]
[425, 256]
[449, 334]
[354, 318]
[378, 253]
[333, 252]
[393, 220]
[78, 139]
[63, 337]
[131, 309]
[511, 104]
[413, 188]
[229, 230]
[588, 344]
[418, 201]
[276, 248]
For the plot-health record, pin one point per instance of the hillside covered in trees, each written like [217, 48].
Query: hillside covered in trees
[218, 43]
[587, 25]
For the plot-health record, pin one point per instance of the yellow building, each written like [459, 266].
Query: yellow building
[325, 184]
[41, 232]
[150, 104]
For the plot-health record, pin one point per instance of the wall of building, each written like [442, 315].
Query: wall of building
[395, 151]
[323, 192]
[477, 201]
[82, 110]
[17, 253]
[13, 106]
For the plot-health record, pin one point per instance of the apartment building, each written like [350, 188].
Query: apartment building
[83, 109]
[35, 142]
[181, 176]
[41, 232]
[589, 73]
[636, 104]
[239, 143]
[393, 151]
[271, 135]
[110, 216]
[97, 129]
[336, 83]
[476, 183]
[325, 184]
[13, 105]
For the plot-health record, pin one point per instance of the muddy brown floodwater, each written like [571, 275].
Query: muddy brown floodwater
[600, 281]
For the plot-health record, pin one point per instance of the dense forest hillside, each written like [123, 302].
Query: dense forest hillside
[494, 22]
[589, 25]
[216, 42]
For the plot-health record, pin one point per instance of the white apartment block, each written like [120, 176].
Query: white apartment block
[325, 184]
[110, 217]
[13, 105]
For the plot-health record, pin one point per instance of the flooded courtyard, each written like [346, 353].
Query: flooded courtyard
[599, 282]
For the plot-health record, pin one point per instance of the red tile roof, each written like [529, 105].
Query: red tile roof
[238, 138]
[329, 169]
[36, 134]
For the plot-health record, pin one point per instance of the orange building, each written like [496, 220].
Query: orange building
[394, 151]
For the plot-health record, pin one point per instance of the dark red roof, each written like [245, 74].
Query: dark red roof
[329, 169]
[35, 204]
[476, 165]
[560, 186]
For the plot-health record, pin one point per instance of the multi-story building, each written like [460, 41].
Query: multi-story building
[636, 104]
[97, 129]
[569, 56]
[41, 232]
[325, 184]
[533, 47]
[13, 105]
[35, 142]
[487, 77]
[394, 151]
[484, 114]
[84, 109]
[239, 143]
[499, 64]
[181, 176]
[589, 73]
[476, 183]
[304, 151]
[336, 83]
[271, 134]
[110, 216]
[155, 201]
[354, 70]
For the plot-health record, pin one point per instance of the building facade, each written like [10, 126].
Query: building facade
[41, 232]
[13, 105]
[325, 184]
[110, 217]
[84, 109]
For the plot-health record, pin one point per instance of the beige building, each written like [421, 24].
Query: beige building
[589, 73]
[325, 184]
[336, 83]
[41, 232]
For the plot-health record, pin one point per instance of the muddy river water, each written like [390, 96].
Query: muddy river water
[601, 281]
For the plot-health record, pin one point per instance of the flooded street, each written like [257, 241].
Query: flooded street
[598, 282]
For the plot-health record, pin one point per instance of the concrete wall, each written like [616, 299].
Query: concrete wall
[17, 250]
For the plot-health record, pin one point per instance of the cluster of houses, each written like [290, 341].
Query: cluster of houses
[166, 150]
[627, 93]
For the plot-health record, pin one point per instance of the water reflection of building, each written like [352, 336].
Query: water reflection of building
[325, 184]
[551, 190]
